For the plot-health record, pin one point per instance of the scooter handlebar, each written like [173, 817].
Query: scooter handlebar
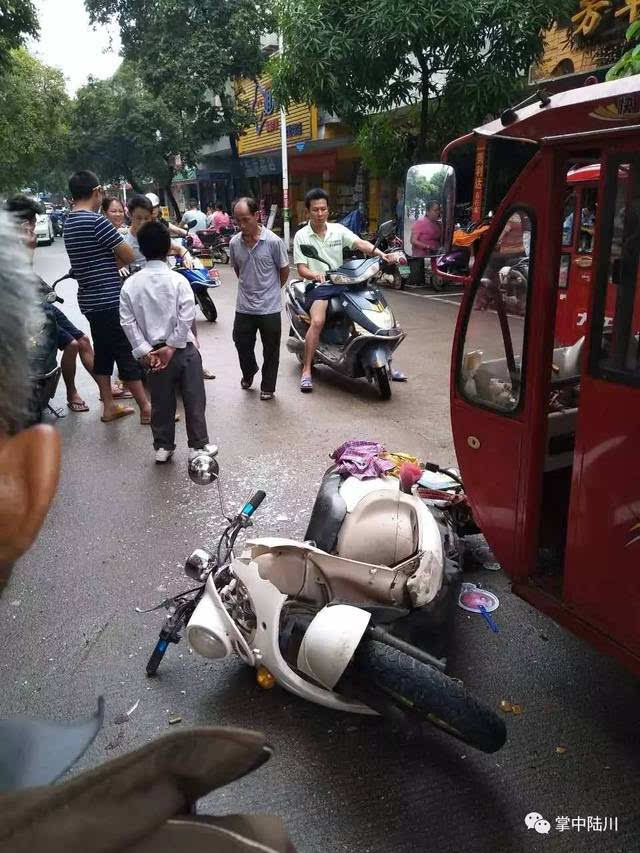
[252, 505]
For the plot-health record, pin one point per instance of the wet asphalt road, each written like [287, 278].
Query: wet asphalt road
[119, 532]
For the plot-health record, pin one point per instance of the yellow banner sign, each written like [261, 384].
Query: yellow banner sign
[264, 133]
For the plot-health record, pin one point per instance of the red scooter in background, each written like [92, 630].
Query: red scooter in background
[216, 244]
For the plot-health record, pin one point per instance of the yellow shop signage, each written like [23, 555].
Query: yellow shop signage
[264, 133]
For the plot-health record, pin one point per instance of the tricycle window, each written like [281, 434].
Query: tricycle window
[616, 340]
[491, 368]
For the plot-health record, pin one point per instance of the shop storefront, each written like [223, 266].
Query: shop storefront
[585, 45]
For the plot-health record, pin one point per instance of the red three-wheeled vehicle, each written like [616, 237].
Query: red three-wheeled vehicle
[547, 432]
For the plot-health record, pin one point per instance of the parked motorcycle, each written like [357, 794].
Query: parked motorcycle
[514, 285]
[360, 333]
[458, 260]
[318, 617]
[45, 370]
[392, 275]
[200, 279]
[216, 244]
[201, 283]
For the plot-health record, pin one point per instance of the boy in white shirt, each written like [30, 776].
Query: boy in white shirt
[157, 310]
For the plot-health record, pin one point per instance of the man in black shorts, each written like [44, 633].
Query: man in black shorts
[72, 342]
[96, 251]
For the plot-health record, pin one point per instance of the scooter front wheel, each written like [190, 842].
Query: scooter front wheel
[381, 375]
[422, 690]
[208, 307]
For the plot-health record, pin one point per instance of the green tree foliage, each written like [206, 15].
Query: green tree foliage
[34, 113]
[189, 53]
[121, 131]
[18, 20]
[629, 62]
[459, 60]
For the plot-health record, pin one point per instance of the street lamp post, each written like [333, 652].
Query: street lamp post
[285, 164]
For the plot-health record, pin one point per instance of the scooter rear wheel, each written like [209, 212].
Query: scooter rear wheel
[207, 307]
[422, 690]
[224, 256]
[381, 375]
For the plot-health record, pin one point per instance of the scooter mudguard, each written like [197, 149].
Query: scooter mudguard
[375, 356]
[330, 642]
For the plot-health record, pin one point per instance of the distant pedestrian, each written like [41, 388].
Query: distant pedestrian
[221, 218]
[261, 263]
[157, 310]
[96, 250]
[194, 213]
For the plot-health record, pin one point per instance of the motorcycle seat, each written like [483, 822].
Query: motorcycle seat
[328, 513]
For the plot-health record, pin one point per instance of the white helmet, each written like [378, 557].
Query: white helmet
[153, 198]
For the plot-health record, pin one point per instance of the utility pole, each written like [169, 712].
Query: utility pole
[285, 163]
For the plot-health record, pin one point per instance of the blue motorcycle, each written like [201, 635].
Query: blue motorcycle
[201, 284]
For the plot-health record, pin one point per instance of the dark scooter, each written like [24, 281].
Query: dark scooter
[45, 370]
[360, 333]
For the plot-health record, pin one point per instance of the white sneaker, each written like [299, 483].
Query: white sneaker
[207, 450]
[163, 455]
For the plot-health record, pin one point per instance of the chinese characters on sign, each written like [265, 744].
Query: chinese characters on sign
[592, 12]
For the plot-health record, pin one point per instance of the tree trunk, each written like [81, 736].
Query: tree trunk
[237, 167]
[421, 147]
[134, 184]
[172, 200]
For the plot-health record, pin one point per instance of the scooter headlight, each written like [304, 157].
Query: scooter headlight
[371, 271]
[382, 319]
[206, 642]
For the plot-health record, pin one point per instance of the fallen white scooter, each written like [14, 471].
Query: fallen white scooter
[325, 618]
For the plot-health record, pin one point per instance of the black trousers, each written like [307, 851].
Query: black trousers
[110, 345]
[245, 328]
[184, 371]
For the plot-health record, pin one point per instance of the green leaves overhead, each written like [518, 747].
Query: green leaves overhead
[34, 115]
[188, 53]
[18, 20]
[122, 131]
[461, 59]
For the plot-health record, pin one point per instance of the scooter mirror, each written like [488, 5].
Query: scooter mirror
[387, 228]
[311, 252]
[429, 202]
[204, 469]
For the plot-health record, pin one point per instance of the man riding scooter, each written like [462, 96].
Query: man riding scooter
[329, 239]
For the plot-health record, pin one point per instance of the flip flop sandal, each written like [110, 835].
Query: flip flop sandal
[119, 412]
[306, 384]
[123, 394]
[77, 405]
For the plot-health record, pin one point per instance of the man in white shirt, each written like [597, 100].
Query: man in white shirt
[194, 212]
[157, 310]
[329, 239]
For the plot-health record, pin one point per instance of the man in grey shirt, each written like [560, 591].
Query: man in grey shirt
[261, 263]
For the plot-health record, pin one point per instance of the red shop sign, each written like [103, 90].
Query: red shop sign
[312, 163]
